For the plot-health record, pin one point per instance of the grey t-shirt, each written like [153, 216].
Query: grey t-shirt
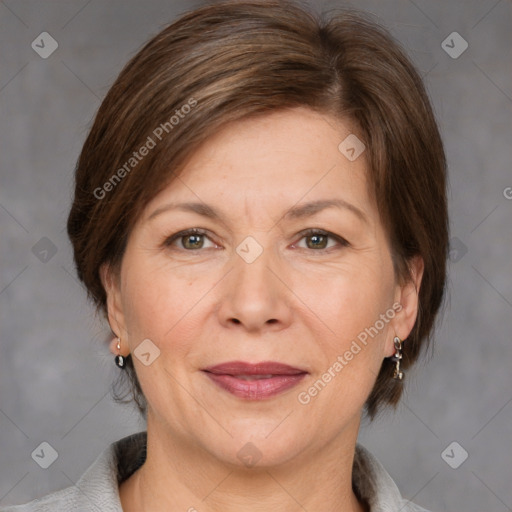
[98, 488]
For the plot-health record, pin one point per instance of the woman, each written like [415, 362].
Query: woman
[260, 212]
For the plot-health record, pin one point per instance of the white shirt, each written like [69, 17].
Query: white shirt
[98, 488]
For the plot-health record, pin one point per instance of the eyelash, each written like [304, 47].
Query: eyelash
[308, 232]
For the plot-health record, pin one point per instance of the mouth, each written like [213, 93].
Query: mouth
[255, 381]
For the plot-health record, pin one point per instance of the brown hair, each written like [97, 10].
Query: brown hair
[231, 60]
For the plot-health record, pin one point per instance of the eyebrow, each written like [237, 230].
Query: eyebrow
[295, 212]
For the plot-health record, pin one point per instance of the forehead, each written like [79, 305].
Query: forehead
[270, 162]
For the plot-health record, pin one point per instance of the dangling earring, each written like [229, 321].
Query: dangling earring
[119, 358]
[397, 374]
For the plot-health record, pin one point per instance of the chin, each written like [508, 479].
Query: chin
[261, 454]
[259, 444]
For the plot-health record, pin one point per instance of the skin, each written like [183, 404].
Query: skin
[296, 303]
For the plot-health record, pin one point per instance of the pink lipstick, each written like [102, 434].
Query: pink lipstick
[255, 381]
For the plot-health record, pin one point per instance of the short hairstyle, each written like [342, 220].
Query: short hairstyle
[233, 60]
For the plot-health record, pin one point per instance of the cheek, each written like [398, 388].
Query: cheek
[350, 353]
[160, 302]
[353, 311]
[349, 298]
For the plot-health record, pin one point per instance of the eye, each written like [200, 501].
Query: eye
[194, 239]
[318, 239]
[190, 239]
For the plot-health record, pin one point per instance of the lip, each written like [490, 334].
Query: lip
[255, 381]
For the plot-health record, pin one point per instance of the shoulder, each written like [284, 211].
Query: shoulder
[98, 488]
[64, 500]
[373, 484]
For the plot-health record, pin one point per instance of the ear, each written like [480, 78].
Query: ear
[111, 283]
[407, 295]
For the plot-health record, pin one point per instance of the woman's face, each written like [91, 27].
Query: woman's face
[253, 286]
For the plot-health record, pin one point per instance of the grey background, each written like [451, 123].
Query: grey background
[55, 368]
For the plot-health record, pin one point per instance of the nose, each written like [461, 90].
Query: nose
[254, 295]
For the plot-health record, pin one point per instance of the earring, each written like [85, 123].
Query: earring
[119, 358]
[397, 374]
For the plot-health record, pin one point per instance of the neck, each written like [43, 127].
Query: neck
[178, 476]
